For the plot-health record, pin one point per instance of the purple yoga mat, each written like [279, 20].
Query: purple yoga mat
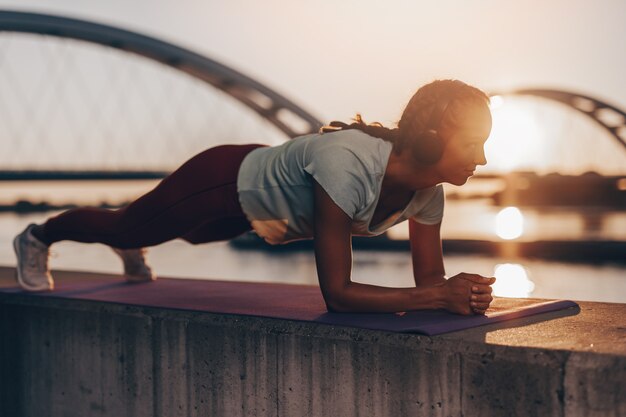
[284, 301]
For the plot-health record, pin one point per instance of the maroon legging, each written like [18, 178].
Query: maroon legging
[198, 203]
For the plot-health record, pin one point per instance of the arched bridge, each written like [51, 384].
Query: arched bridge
[607, 116]
[276, 108]
[283, 114]
[189, 102]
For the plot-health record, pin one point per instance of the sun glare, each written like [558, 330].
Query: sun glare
[516, 139]
[512, 281]
[509, 223]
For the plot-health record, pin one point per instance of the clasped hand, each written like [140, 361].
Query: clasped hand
[468, 293]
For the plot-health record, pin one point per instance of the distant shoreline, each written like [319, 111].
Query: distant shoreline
[24, 206]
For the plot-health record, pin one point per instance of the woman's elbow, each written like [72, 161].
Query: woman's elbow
[336, 308]
[335, 302]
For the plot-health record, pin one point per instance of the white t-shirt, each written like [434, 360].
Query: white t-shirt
[275, 185]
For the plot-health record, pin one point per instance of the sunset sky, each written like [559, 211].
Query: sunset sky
[336, 58]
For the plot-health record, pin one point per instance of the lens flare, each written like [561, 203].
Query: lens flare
[509, 223]
[512, 281]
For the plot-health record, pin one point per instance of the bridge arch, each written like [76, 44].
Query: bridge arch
[607, 116]
[288, 117]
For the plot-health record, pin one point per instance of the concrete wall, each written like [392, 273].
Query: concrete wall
[77, 358]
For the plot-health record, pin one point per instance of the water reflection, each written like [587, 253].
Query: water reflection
[509, 223]
[512, 281]
[552, 280]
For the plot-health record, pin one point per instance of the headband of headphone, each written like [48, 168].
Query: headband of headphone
[440, 110]
[429, 146]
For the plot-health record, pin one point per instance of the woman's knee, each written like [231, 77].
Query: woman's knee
[216, 231]
[192, 239]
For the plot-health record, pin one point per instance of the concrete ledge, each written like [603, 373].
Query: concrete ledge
[80, 358]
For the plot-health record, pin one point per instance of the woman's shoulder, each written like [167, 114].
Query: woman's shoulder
[347, 152]
[350, 135]
[351, 141]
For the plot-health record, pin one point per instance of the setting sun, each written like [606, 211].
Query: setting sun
[516, 139]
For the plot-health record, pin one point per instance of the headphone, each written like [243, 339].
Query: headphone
[428, 148]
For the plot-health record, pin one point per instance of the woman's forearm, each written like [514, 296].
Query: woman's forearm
[356, 298]
[437, 278]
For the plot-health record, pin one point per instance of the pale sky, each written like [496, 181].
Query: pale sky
[338, 57]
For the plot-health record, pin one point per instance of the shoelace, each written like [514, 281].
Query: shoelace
[35, 260]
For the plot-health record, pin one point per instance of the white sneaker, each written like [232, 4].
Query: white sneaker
[135, 267]
[32, 271]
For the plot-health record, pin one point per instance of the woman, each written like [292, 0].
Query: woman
[347, 180]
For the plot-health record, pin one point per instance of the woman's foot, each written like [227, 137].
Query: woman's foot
[135, 267]
[32, 271]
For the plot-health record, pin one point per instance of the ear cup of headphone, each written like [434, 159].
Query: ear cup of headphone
[428, 147]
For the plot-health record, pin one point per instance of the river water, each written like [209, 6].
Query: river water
[178, 259]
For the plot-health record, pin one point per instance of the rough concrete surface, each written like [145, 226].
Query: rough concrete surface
[80, 358]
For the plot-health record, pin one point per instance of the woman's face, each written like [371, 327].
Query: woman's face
[464, 145]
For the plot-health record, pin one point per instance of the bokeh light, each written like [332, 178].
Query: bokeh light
[509, 223]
